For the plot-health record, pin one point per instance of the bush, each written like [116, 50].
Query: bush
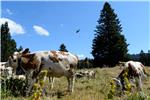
[15, 87]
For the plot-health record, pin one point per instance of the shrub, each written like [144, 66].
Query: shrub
[38, 87]
[15, 87]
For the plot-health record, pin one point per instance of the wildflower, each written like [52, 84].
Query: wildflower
[35, 86]
[41, 83]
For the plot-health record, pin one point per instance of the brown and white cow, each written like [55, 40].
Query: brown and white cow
[57, 63]
[135, 72]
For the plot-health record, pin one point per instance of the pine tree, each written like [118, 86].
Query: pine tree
[109, 45]
[8, 45]
[142, 57]
[63, 48]
[148, 58]
[20, 48]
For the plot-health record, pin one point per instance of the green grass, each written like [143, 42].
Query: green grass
[87, 89]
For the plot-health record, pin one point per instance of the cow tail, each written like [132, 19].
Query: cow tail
[144, 70]
[77, 65]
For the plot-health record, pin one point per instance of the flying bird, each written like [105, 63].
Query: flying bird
[77, 31]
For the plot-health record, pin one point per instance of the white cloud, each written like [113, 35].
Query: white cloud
[40, 30]
[9, 11]
[15, 28]
[81, 56]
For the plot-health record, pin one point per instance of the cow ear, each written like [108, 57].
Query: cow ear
[26, 51]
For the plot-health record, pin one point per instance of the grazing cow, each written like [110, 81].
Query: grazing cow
[138, 68]
[135, 73]
[2, 68]
[86, 73]
[79, 75]
[92, 74]
[5, 71]
[57, 63]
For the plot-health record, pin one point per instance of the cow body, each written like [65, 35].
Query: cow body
[135, 73]
[87, 73]
[135, 68]
[57, 63]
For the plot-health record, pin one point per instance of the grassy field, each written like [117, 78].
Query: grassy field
[87, 89]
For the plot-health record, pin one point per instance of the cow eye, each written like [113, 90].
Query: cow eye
[14, 60]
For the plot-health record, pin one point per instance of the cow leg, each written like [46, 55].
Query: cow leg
[71, 80]
[51, 80]
[138, 83]
[69, 84]
[41, 78]
[30, 83]
[44, 92]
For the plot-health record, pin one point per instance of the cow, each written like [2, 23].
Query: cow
[2, 68]
[138, 67]
[135, 73]
[87, 73]
[91, 74]
[57, 63]
[5, 71]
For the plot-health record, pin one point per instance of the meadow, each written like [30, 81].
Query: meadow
[87, 89]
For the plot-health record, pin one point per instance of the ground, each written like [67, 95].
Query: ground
[87, 89]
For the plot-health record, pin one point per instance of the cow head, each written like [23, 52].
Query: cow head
[14, 60]
[117, 83]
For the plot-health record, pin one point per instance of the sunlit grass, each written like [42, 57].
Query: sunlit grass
[87, 89]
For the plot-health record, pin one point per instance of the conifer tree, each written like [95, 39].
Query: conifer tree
[63, 48]
[109, 45]
[8, 45]
[20, 48]
[142, 57]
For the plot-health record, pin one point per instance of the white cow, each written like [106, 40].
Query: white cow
[86, 73]
[57, 63]
[91, 74]
[5, 71]
[135, 73]
[2, 68]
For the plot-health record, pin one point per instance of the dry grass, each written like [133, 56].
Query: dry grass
[92, 89]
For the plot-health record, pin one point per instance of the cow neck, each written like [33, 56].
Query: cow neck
[19, 65]
[19, 62]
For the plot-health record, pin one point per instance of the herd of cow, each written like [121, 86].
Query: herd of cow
[28, 66]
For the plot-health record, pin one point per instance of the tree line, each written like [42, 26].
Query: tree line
[143, 57]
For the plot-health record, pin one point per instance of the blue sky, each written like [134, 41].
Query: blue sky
[44, 25]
